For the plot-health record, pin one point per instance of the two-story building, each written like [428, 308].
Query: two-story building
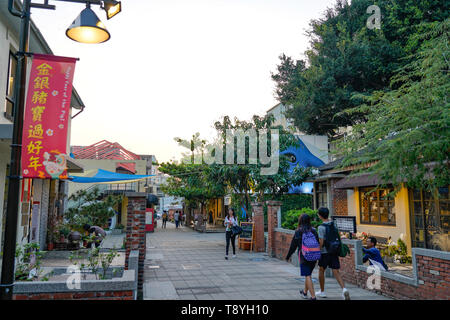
[39, 198]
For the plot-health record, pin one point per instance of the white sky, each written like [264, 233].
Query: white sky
[173, 67]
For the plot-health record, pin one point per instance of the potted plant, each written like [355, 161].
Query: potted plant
[52, 235]
[64, 232]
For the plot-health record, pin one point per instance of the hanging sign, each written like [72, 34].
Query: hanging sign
[44, 138]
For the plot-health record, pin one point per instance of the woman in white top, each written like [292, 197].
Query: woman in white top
[230, 221]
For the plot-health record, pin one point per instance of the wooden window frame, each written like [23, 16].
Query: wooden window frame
[362, 191]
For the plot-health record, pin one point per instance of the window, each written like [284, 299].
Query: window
[9, 102]
[321, 194]
[430, 214]
[376, 206]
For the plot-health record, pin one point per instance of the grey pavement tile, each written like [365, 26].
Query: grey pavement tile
[187, 297]
[203, 297]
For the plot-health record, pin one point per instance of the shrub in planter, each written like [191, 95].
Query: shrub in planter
[28, 262]
[291, 218]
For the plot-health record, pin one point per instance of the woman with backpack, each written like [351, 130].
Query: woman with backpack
[306, 240]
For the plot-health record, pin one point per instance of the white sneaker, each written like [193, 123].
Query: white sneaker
[226, 257]
[234, 256]
[321, 294]
[345, 294]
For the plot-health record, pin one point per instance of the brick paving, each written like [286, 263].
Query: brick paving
[187, 265]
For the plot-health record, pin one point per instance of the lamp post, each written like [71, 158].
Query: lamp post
[75, 32]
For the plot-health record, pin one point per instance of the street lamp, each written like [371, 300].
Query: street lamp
[87, 28]
[112, 8]
[9, 246]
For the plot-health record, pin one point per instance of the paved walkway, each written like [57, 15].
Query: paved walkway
[184, 264]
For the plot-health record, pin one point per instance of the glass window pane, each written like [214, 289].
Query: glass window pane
[443, 193]
[11, 76]
[418, 222]
[445, 223]
[420, 235]
[427, 195]
[416, 194]
[8, 109]
[417, 207]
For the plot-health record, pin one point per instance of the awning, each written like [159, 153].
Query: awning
[101, 176]
[364, 180]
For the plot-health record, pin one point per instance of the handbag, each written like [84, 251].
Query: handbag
[236, 230]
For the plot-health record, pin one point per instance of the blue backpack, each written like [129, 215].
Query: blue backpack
[310, 246]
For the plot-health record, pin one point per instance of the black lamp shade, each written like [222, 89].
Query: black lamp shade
[87, 28]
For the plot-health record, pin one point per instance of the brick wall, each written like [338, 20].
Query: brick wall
[136, 236]
[432, 277]
[109, 295]
[272, 222]
[258, 219]
[431, 269]
[282, 240]
[339, 199]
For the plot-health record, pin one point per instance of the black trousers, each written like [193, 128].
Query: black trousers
[228, 237]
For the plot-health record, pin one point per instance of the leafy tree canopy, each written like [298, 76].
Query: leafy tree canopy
[347, 61]
[407, 133]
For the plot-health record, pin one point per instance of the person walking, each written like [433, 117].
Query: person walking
[176, 217]
[330, 245]
[230, 221]
[306, 241]
[164, 219]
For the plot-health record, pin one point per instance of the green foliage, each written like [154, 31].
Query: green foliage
[291, 218]
[90, 209]
[406, 136]
[28, 259]
[198, 182]
[347, 61]
[94, 261]
[397, 250]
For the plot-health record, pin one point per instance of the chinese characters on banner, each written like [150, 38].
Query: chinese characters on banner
[44, 139]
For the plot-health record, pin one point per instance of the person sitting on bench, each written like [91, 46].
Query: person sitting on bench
[373, 255]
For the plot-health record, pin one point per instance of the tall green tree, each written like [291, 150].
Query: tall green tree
[407, 133]
[347, 61]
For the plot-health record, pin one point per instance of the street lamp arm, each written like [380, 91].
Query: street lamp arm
[13, 10]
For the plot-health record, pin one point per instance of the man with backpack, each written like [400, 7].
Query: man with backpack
[307, 242]
[330, 246]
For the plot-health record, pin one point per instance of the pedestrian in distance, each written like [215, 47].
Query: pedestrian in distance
[230, 221]
[165, 217]
[306, 241]
[176, 217]
[330, 245]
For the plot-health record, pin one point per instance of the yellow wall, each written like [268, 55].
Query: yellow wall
[215, 205]
[402, 218]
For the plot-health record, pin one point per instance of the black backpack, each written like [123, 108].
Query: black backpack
[332, 239]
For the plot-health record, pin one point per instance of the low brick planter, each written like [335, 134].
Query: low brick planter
[123, 288]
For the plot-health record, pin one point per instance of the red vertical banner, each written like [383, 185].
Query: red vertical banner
[44, 139]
